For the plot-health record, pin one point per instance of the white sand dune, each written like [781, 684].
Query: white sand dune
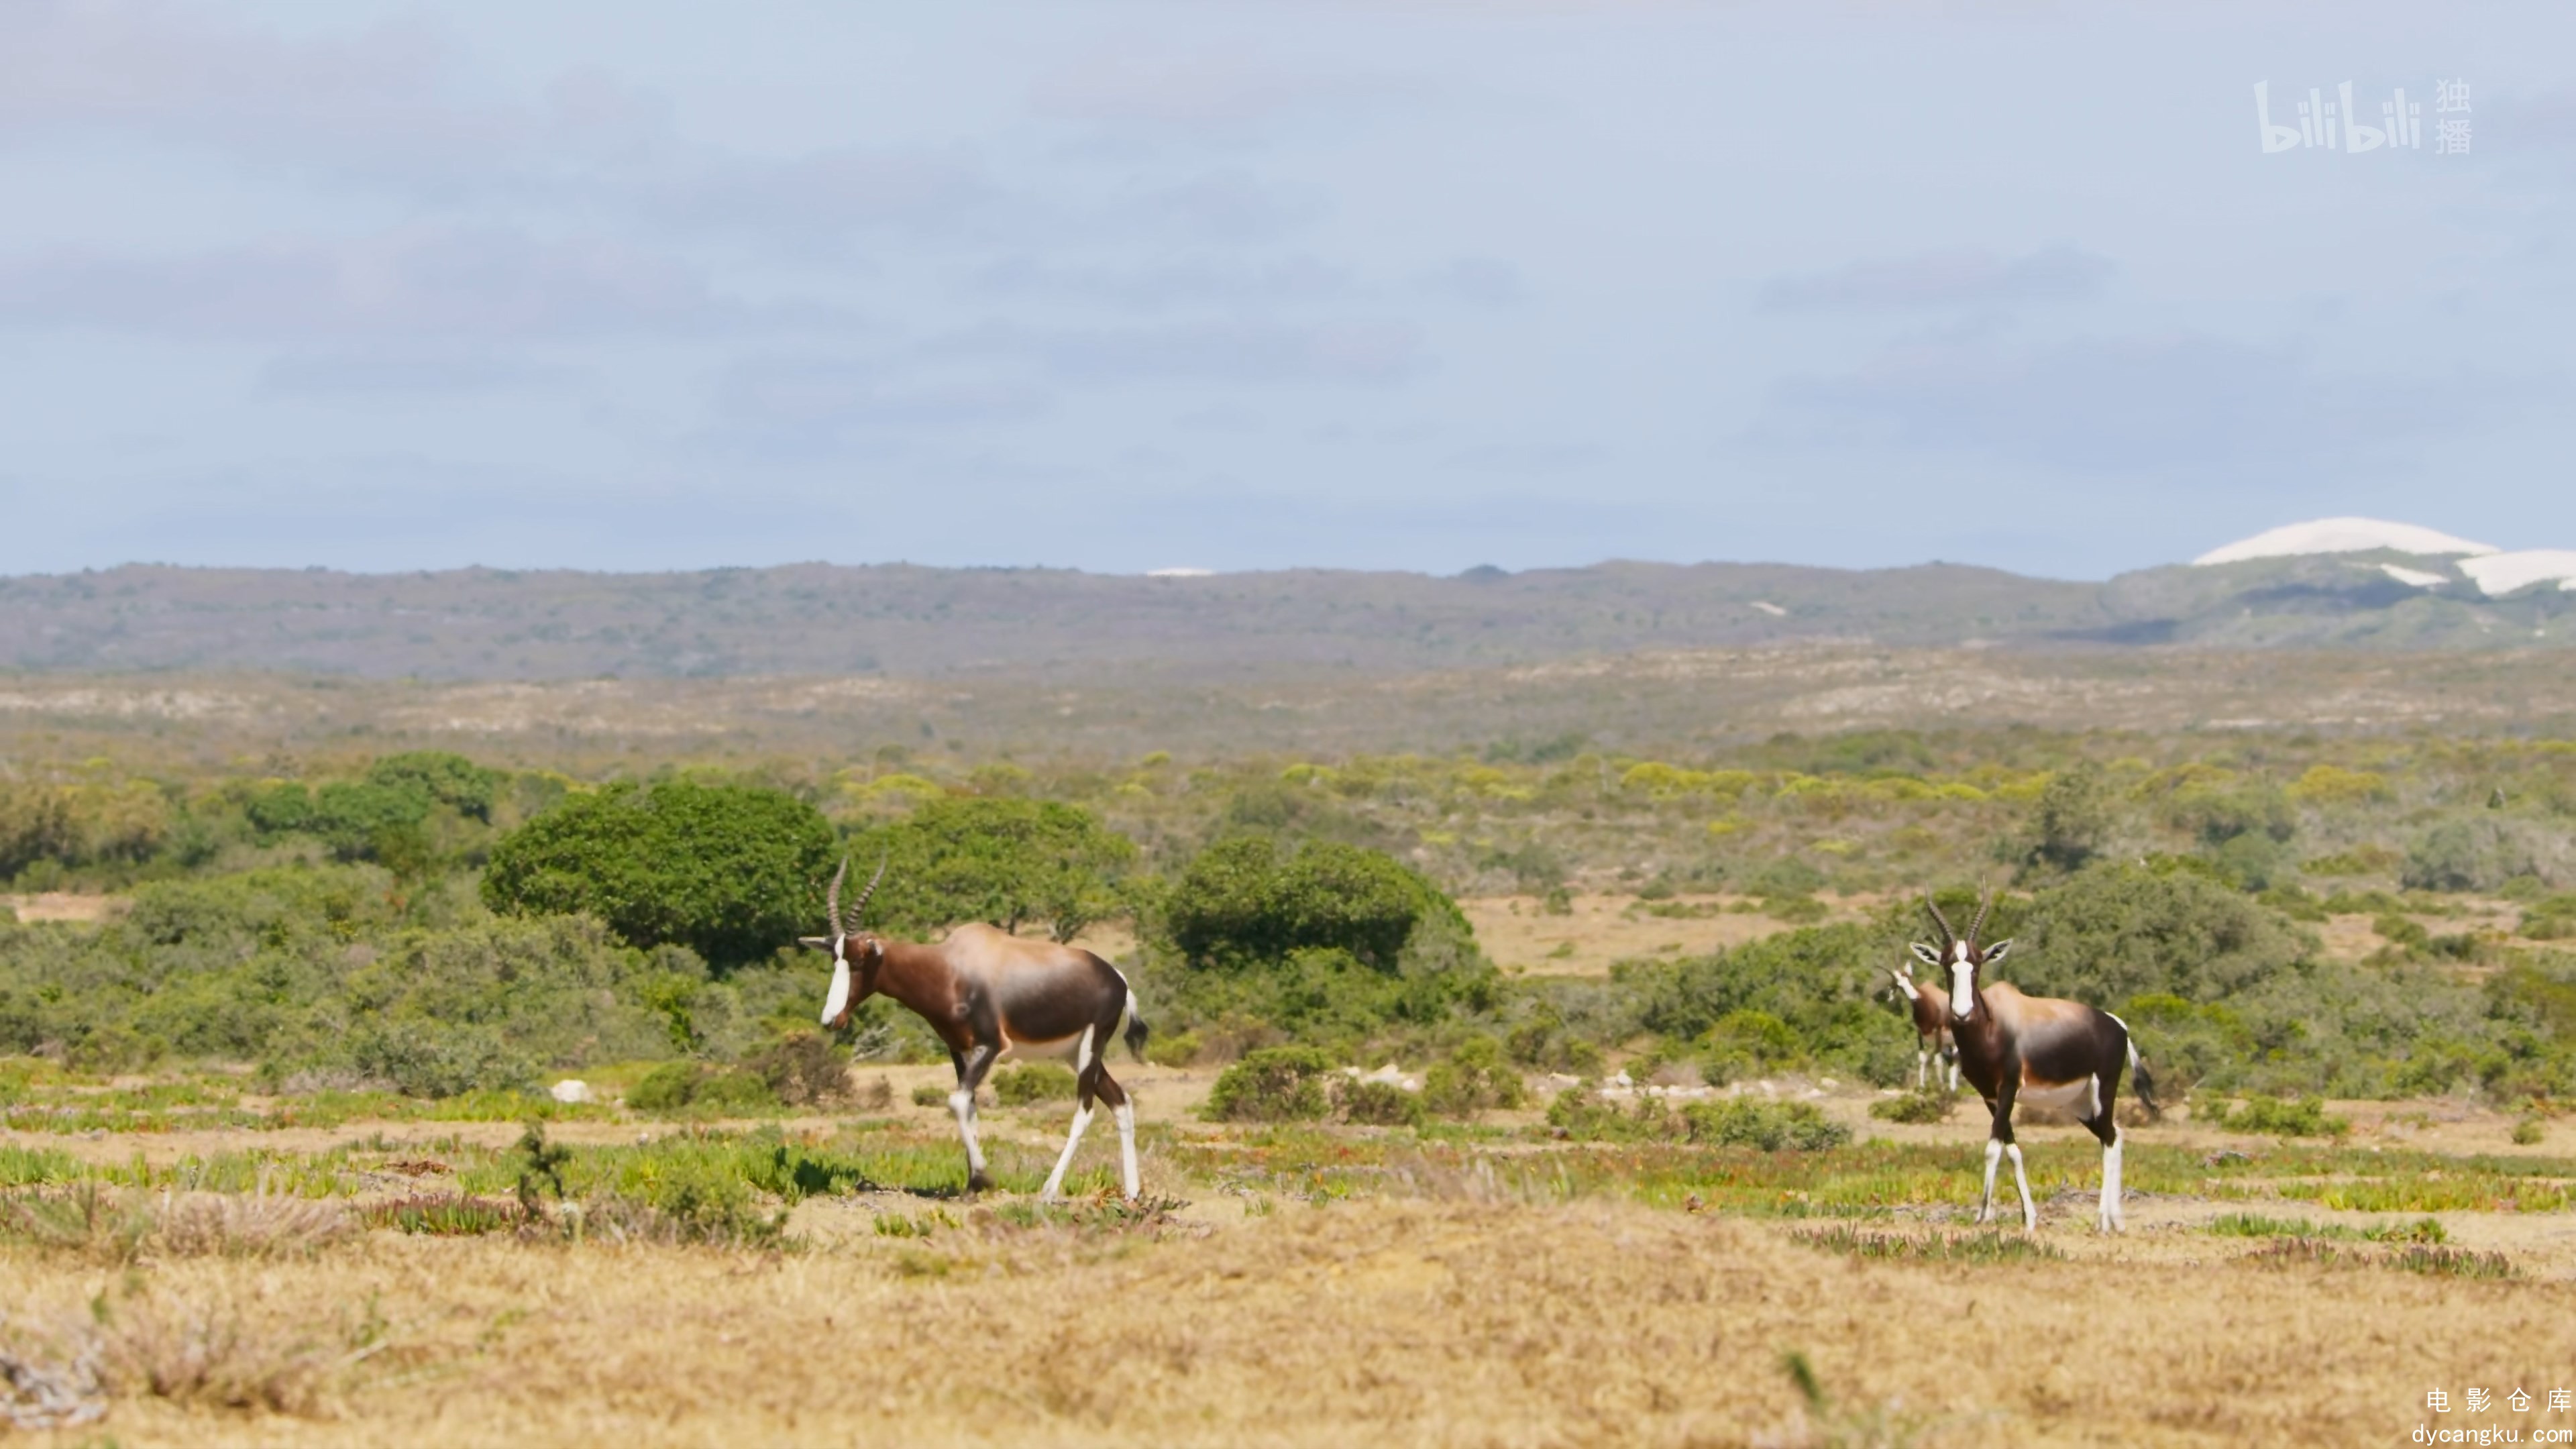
[2342, 535]
[2499, 574]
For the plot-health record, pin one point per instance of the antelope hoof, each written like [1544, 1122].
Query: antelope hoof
[979, 1182]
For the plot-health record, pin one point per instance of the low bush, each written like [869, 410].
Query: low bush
[1475, 1078]
[1916, 1108]
[1020, 1086]
[2279, 1117]
[666, 1088]
[930, 1094]
[1179, 1049]
[692, 1086]
[1580, 1114]
[804, 1068]
[1377, 1104]
[1275, 1084]
[1770, 1126]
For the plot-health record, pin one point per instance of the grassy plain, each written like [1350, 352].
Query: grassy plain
[1478, 1284]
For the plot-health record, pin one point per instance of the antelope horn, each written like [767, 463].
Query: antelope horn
[1948, 936]
[832, 897]
[861, 903]
[1983, 906]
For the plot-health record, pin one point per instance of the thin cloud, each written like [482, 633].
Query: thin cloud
[493, 284]
[1207, 281]
[1945, 279]
[1233, 352]
[1197, 92]
[2123, 405]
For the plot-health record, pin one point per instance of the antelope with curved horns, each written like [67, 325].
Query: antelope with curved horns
[1930, 1007]
[993, 996]
[2015, 1048]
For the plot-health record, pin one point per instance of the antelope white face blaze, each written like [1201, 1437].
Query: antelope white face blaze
[1963, 975]
[837, 1000]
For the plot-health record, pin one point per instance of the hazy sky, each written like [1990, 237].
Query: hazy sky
[1237, 284]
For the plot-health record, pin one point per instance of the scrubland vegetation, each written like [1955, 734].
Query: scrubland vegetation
[307, 1027]
[423, 923]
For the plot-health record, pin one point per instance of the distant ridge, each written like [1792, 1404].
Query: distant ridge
[902, 621]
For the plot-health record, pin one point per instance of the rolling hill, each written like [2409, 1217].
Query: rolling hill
[916, 622]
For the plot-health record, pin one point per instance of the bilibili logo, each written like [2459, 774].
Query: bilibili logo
[2335, 121]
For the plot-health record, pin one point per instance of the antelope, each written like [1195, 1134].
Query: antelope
[993, 996]
[1930, 1006]
[2016, 1048]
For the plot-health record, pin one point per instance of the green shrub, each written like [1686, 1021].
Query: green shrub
[2480, 854]
[1579, 1113]
[804, 1068]
[2402, 933]
[1377, 1104]
[1815, 982]
[1917, 1108]
[996, 859]
[1475, 1078]
[1174, 1049]
[691, 1086]
[734, 1091]
[1747, 1042]
[2300, 1117]
[1275, 1084]
[449, 779]
[731, 871]
[667, 1088]
[1239, 901]
[1770, 1126]
[930, 1094]
[2076, 818]
[2529, 1130]
[2115, 931]
[1032, 1082]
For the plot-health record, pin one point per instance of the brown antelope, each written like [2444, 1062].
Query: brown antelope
[1930, 1007]
[993, 996]
[2015, 1048]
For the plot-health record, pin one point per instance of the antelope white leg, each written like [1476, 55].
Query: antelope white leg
[2113, 1217]
[1986, 1203]
[1954, 1076]
[2029, 1214]
[1922, 1067]
[1073, 1139]
[1125, 1113]
[962, 1102]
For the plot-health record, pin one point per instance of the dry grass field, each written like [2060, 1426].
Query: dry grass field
[1435, 1322]
[1323, 1285]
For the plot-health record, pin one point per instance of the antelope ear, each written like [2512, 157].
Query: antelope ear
[1995, 952]
[819, 943]
[1926, 955]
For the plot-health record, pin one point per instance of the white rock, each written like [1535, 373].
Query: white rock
[570, 1090]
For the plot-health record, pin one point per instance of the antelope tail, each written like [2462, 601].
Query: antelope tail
[2146, 1083]
[1136, 1029]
